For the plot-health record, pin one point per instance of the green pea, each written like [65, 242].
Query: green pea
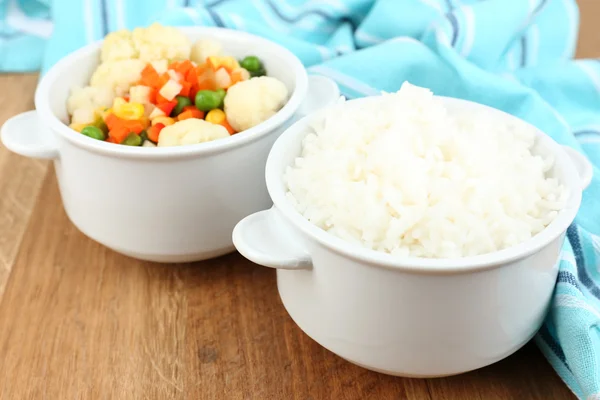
[132, 140]
[94, 132]
[144, 136]
[251, 63]
[221, 93]
[100, 124]
[260, 72]
[182, 101]
[207, 100]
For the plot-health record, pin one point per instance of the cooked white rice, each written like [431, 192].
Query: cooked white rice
[402, 175]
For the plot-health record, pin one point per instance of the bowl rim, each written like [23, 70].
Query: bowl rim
[297, 96]
[276, 166]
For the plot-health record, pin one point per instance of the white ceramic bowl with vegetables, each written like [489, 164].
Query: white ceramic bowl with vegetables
[416, 236]
[149, 164]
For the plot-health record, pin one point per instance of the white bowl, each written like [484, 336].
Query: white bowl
[168, 204]
[412, 316]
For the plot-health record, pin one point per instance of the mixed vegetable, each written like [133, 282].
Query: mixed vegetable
[153, 88]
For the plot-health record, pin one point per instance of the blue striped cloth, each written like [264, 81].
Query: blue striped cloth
[514, 55]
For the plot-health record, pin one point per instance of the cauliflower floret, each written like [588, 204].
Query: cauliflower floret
[118, 46]
[204, 48]
[118, 75]
[89, 97]
[248, 103]
[190, 131]
[157, 42]
[83, 115]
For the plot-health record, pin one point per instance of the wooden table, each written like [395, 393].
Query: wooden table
[78, 321]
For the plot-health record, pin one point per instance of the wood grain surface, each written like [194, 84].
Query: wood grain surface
[78, 321]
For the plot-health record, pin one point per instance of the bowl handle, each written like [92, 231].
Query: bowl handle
[582, 165]
[322, 92]
[261, 238]
[24, 134]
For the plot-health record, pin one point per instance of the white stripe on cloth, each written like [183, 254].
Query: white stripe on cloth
[366, 37]
[120, 15]
[511, 59]
[469, 30]
[568, 256]
[591, 73]
[568, 301]
[533, 45]
[596, 244]
[441, 37]
[405, 39]
[238, 21]
[194, 15]
[325, 53]
[348, 81]
[88, 16]
[573, 18]
[595, 396]
[15, 18]
[589, 140]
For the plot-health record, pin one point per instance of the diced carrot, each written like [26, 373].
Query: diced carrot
[239, 75]
[111, 139]
[145, 122]
[152, 95]
[192, 76]
[186, 108]
[150, 77]
[126, 97]
[190, 113]
[164, 78]
[119, 133]
[114, 122]
[182, 67]
[206, 80]
[185, 90]
[167, 106]
[207, 85]
[154, 131]
[228, 127]
[135, 126]
[111, 120]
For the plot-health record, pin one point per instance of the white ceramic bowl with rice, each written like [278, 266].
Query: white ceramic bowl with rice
[370, 273]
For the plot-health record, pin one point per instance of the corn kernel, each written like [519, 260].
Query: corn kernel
[215, 116]
[118, 102]
[131, 111]
[227, 62]
[166, 121]
[78, 127]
